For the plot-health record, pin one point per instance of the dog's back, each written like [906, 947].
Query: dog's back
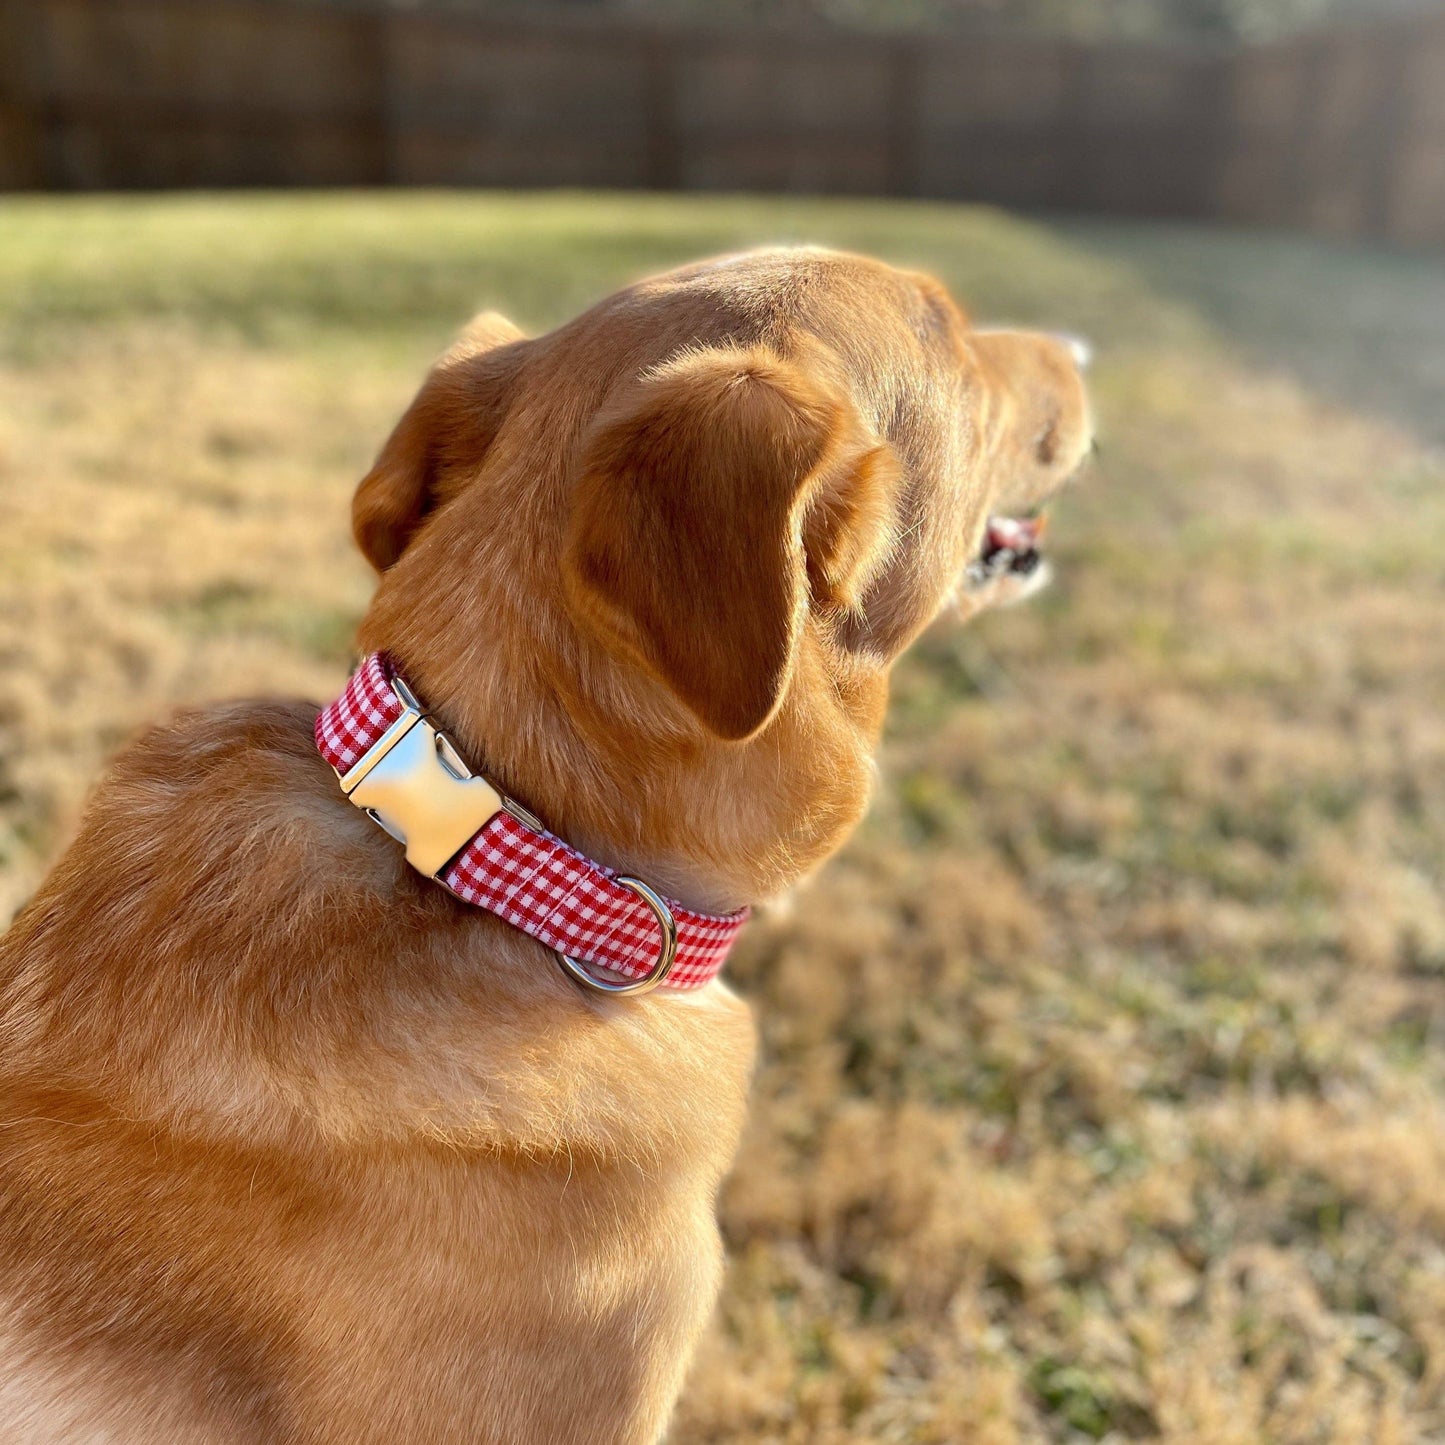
[279, 1157]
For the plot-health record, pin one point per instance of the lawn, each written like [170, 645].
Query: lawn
[1103, 1089]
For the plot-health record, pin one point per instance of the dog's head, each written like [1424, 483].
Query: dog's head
[658, 563]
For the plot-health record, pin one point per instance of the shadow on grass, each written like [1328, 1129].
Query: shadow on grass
[1363, 327]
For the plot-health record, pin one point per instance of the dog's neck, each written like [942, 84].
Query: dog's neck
[523, 738]
[619, 771]
[487, 849]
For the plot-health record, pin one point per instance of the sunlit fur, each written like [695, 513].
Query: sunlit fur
[295, 1147]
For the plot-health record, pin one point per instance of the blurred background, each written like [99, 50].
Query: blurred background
[1324, 114]
[1102, 1093]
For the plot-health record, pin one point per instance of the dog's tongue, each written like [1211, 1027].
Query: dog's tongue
[1017, 534]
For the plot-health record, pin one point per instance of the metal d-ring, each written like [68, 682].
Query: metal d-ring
[666, 955]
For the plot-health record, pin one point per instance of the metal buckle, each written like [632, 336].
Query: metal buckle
[666, 954]
[413, 782]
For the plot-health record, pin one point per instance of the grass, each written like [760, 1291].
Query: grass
[1103, 1095]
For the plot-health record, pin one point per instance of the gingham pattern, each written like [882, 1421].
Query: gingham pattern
[359, 716]
[535, 881]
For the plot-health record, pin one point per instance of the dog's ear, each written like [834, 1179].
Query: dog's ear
[443, 433]
[716, 498]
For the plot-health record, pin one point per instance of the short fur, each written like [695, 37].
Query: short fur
[296, 1147]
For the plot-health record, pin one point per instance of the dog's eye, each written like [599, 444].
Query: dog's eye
[1047, 445]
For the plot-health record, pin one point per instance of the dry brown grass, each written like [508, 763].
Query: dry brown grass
[1102, 1092]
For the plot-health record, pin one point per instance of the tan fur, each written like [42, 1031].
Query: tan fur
[295, 1147]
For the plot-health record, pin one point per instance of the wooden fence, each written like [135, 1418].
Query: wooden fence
[1342, 132]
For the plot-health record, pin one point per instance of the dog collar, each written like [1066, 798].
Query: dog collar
[404, 773]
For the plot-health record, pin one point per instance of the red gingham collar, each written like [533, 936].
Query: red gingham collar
[516, 869]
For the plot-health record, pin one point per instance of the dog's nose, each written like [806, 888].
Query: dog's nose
[1081, 350]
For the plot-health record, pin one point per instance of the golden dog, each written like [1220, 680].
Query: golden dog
[295, 1146]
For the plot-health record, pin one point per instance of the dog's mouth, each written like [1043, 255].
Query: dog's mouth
[1010, 550]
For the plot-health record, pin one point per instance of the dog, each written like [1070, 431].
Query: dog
[298, 1145]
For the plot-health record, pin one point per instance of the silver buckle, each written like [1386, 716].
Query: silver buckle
[666, 953]
[413, 782]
